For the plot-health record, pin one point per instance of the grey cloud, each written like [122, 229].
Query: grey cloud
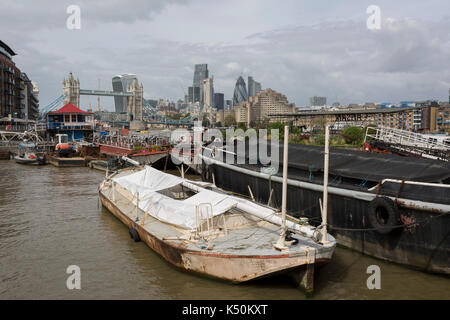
[406, 59]
[30, 15]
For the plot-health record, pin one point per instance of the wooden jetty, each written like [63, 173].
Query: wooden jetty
[5, 154]
[66, 161]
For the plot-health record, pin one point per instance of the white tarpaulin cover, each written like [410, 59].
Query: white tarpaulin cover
[177, 212]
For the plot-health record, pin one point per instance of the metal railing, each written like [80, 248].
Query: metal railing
[403, 137]
[415, 143]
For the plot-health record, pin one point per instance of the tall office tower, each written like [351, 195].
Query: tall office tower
[229, 104]
[208, 94]
[253, 87]
[200, 73]
[257, 88]
[219, 101]
[190, 94]
[120, 83]
[317, 101]
[196, 94]
[240, 92]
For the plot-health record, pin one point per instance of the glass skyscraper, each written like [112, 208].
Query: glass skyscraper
[219, 101]
[119, 84]
[240, 92]
[201, 73]
[253, 87]
[193, 94]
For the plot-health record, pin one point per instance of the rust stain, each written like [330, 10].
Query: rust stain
[409, 222]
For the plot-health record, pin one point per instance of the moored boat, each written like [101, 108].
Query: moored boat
[201, 229]
[27, 154]
[386, 206]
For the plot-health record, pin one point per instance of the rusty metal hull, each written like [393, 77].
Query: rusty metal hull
[229, 267]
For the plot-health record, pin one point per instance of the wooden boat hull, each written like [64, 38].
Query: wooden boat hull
[99, 165]
[234, 268]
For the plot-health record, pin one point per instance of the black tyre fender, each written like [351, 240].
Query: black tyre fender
[134, 234]
[383, 214]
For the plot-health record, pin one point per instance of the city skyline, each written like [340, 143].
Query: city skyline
[311, 49]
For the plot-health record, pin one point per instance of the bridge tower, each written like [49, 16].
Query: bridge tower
[71, 88]
[135, 101]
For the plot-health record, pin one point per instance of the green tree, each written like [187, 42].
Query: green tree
[353, 135]
[242, 125]
[280, 126]
[205, 122]
[230, 120]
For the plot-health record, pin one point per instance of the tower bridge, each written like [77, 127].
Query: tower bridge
[105, 93]
[133, 94]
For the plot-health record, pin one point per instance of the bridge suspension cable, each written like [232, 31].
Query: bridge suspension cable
[52, 106]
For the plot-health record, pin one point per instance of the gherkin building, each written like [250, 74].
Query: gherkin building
[240, 92]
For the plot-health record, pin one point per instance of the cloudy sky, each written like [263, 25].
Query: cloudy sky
[299, 48]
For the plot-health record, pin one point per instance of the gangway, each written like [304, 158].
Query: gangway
[406, 142]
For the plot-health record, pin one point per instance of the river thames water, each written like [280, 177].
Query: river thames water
[50, 218]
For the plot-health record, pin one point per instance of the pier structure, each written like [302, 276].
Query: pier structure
[133, 92]
[70, 120]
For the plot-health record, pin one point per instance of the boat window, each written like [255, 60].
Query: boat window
[64, 139]
[178, 192]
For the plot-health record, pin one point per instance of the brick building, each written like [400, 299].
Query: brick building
[18, 95]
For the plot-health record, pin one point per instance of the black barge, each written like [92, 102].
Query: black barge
[386, 206]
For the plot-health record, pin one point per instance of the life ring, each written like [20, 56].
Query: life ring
[134, 234]
[383, 214]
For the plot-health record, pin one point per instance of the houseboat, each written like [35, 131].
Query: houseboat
[200, 229]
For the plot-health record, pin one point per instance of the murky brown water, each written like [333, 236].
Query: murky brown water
[50, 218]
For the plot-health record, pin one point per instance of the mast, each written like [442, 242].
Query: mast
[325, 184]
[280, 245]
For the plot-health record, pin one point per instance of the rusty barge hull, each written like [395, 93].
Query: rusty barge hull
[229, 267]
